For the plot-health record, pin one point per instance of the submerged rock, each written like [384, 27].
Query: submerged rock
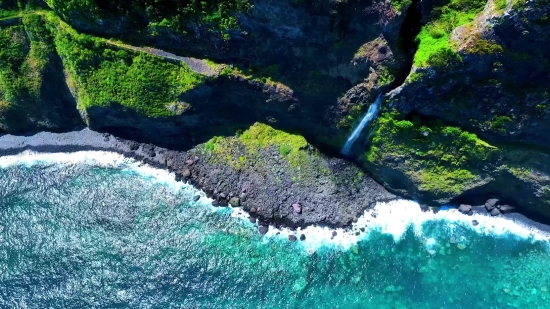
[292, 238]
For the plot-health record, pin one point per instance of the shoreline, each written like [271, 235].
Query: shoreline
[178, 162]
[264, 197]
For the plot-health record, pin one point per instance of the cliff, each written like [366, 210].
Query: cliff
[465, 111]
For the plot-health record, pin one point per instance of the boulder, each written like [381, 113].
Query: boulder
[263, 229]
[490, 204]
[475, 223]
[292, 238]
[215, 203]
[334, 233]
[506, 208]
[302, 237]
[465, 209]
[185, 173]
[252, 219]
[297, 208]
[196, 198]
[495, 212]
[235, 202]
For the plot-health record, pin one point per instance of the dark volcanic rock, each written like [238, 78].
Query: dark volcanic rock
[252, 219]
[495, 212]
[465, 209]
[302, 237]
[263, 229]
[491, 204]
[292, 238]
[297, 208]
[475, 223]
[196, 198]
[324, 182]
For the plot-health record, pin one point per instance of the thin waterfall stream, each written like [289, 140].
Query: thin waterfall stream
[369, 116]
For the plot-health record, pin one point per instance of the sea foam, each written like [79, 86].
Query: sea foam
[393, 218]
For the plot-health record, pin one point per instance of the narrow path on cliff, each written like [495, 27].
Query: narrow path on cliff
[199, 66]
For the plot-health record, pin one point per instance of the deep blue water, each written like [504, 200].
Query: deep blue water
[82, 235]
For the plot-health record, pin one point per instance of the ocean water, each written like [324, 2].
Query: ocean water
[95, 230]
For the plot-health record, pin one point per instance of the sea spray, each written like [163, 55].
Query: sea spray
[369, 116]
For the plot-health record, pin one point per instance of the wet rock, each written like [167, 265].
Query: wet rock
[234, 201]
[252, 210]
[302, 237]
[505, 208]
[149, 150]
[355, 218]
[196, 198]
[263, 229]
[189, 162]
[252, 219]
[215, 203]
[465, 209]
[297, 208]
[475, 223]
[223, 202]
[490, 204]
[292, 238]
[185, 174]
[495, 212]
[133, 145]
[334, 233]
[362, 229]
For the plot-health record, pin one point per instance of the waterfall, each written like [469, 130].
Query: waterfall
[369, 116]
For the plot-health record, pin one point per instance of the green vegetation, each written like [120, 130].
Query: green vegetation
[433, 39]
[499, 123]
[441, 159]
[500, 5]
[105, 75]
[259, 136]
[485, 47]
[175, 14]
[401, 5]
[23, 59]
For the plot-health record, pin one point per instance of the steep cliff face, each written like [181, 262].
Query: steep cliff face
[289, 63]
[33, 92]
[470, 120]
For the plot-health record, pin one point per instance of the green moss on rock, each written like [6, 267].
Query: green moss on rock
[440, 160]
[434, 37]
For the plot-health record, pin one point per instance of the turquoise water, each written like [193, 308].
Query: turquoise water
[106, 235]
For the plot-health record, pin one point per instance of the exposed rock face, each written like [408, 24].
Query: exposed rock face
[311, 68]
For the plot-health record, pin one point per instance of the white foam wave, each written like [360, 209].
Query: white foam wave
[393, 218]
[396, 217]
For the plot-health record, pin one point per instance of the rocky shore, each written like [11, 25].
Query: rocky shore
[321, 190]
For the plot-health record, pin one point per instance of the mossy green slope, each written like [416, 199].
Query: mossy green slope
[104, 74]
[29, 71]
[434, 46]
[438, 163]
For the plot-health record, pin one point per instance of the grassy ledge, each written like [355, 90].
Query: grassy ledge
[105, 75]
